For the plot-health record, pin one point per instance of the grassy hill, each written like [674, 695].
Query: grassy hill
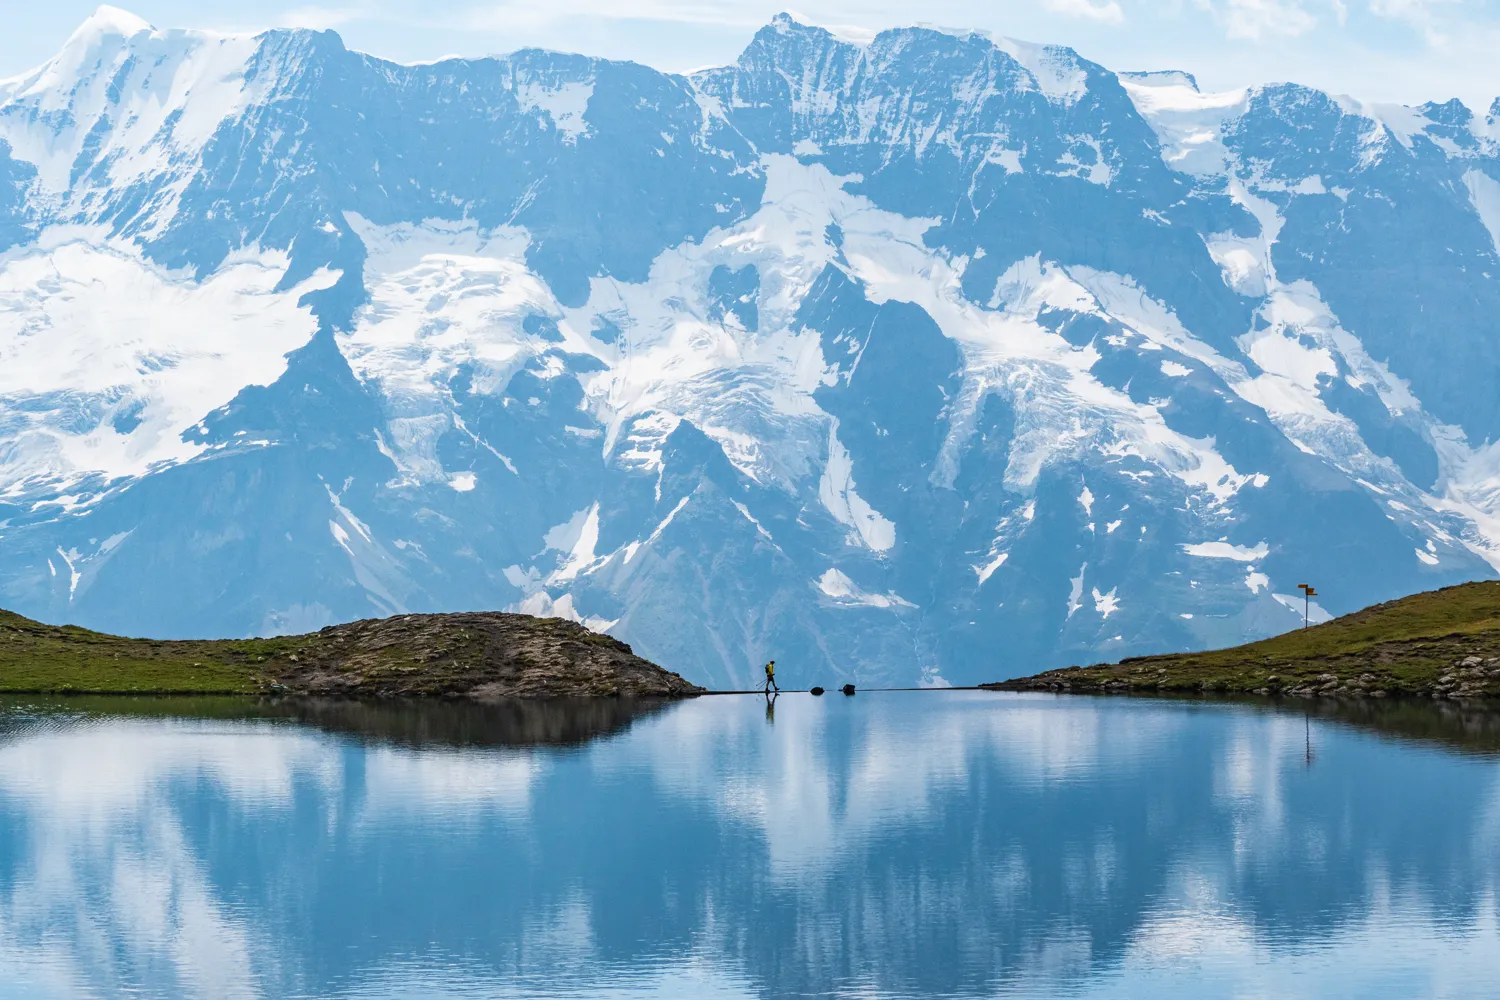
[1442, 643]
[478, 654]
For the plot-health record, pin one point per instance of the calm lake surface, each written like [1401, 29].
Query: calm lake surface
[958, 844]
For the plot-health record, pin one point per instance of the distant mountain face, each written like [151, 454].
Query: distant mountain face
[936, 359]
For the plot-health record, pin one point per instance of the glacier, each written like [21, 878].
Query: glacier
[928, 358]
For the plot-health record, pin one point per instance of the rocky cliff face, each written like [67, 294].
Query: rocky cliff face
[939, 358]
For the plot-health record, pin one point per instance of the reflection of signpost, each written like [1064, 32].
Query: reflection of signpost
[1308, 593]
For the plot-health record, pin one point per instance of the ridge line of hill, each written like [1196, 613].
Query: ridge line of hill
[1436, 644]
[480, 655]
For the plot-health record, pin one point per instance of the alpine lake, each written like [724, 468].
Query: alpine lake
[889, 844]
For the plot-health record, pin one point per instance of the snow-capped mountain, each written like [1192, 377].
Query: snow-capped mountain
[939, 358]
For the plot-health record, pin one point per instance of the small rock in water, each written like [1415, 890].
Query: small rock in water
[848, 689]
[817, 690]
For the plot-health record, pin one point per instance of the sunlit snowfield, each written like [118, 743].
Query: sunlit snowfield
[887, 845]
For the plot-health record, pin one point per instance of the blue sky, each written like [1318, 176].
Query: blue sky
[1386, 50]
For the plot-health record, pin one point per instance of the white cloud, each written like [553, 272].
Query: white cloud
[319, 18]
[1406, 10]
[1418, 13]
[507, 16]
[1257, 20]
[1108, 12]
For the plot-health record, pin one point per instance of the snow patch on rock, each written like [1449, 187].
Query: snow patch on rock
[837, 492]
[1224, 550]
[836, 585]
[107, 360]
[564, 104]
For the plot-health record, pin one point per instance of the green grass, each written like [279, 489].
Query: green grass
[65, 659]
[1413, 646]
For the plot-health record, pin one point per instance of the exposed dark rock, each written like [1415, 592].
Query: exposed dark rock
[481, 655]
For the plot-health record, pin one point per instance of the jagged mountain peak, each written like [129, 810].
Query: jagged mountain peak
[1056, 71]
[109, 21]
[929, 358]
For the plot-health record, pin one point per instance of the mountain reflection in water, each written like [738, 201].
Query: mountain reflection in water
[519, 722]
[887, 845]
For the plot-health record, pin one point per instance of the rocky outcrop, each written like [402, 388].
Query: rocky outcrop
[482, 655]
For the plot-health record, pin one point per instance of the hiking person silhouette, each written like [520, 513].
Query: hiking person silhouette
[771, 677]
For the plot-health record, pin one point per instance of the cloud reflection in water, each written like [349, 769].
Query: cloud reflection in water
[960, 844]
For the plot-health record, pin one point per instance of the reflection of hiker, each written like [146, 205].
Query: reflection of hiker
[771, 677]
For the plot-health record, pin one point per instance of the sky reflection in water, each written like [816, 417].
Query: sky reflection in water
[887, 845]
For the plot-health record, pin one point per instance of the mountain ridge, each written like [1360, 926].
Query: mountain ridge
[900, 362]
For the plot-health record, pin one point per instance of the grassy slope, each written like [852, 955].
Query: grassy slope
[1417, 645]
[47, 658]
